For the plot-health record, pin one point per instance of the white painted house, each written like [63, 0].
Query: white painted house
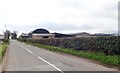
[2, 36]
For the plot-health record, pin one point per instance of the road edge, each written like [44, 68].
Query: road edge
[4, 60]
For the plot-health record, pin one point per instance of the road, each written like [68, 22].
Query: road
[22, 57]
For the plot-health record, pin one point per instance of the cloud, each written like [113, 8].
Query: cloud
[65, 27]
[59, 15]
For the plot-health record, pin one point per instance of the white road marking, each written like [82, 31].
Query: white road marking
[42, 59]
[50, 64]
[28, 50]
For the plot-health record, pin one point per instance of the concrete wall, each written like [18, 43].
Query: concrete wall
[41, 36]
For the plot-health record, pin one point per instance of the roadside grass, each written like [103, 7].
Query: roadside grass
[3, 47]
[102, 58]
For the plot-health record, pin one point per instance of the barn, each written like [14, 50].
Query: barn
[40, 33]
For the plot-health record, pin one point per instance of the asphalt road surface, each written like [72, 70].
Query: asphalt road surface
[22, 57]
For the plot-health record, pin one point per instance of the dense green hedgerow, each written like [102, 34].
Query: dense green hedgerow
[105, 44]
[5, 40]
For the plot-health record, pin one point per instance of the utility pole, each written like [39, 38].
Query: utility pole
[6, 34]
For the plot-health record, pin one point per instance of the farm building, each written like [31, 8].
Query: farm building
[2, 36]
[23, 35]
[83, 34]
[43, 33]
[60, 35]
[40, 33]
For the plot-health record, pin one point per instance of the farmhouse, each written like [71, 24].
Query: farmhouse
[1, 37]
[40, 33]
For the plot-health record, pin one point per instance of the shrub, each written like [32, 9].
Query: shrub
[5, 40]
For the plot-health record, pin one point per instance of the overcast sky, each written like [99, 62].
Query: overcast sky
[63, 16]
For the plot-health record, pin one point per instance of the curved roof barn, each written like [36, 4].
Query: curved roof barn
[40, 31]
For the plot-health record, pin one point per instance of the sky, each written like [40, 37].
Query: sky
[62, 16]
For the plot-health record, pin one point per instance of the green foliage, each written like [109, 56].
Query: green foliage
[5, 40]
[106, 44]
[3, 48]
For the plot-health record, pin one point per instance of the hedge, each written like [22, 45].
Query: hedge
[105, 44]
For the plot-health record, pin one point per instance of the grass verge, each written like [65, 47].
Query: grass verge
[3, 47]
[104, 59]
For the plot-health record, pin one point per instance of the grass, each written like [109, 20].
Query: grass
[102, 58]
[3, 47]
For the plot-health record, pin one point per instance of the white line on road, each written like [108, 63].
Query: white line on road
[50, 64]
[42, 59]
[28, 50]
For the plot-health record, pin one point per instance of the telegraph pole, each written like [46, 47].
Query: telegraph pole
[6, 34]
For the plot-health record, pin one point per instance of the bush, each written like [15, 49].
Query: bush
[5, 40]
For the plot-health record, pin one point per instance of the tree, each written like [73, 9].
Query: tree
[7, 34]
[14, 35]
